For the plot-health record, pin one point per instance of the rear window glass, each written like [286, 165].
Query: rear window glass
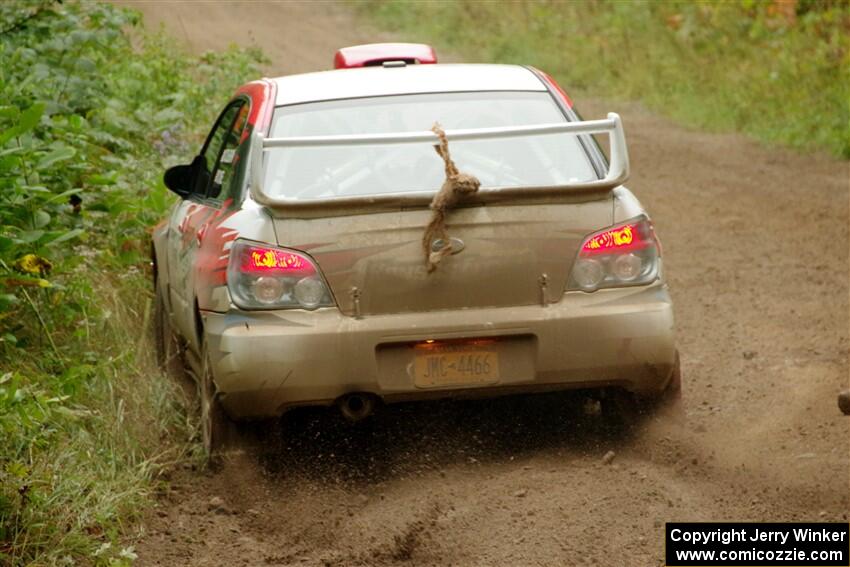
[346, 171]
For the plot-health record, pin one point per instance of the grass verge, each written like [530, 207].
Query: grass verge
[88, 122]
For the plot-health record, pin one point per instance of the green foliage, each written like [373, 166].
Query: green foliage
[88, 121]
[779, 71]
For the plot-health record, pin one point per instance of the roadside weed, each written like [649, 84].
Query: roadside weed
[88, 122]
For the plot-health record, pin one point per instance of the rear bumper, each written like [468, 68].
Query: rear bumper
[267, 362]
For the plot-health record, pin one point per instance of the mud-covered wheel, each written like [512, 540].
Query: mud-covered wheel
[624, 409]
[668, 404]
[217, 429]
[670, 401]
[620, 409]
[844, 402]
[168, 354]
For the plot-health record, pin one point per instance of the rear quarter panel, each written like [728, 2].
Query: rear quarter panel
[250, 222]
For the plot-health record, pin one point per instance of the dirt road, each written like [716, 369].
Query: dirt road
[756, 245]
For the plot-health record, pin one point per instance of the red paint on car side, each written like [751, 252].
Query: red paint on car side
[555, 86]
[262, 94]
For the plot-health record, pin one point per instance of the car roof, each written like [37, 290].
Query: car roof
[409, 79]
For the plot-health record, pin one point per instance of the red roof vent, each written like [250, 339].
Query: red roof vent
[380, 53]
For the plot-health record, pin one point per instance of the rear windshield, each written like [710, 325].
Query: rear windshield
[341, 171]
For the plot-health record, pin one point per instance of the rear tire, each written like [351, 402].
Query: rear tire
[217, 429]
[844, 402]
[625, 409]
[169, 356]
[621, 410]
[669, 403]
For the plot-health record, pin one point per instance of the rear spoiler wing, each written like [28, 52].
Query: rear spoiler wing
[618, 171]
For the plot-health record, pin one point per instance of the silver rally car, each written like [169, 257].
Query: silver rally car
[323, 252]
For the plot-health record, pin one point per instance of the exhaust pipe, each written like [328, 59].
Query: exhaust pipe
[355, 407]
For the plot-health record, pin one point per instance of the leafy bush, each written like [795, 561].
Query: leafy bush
[776, 69]
[88, 121]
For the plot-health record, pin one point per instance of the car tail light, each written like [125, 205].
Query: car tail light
[266, 277]
[622, 255]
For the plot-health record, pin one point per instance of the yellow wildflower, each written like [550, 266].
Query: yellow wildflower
[33, 264]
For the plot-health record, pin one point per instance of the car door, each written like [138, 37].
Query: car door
[190, 220]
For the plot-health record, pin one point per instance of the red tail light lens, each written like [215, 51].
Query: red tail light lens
[619, 239]
[264, 261]
[265, 277]
[625, 254]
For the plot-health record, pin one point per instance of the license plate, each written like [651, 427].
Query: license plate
[455, 367]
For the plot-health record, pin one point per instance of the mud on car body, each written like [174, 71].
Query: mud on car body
[292, 270]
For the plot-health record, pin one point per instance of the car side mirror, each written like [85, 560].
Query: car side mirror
[181, 179]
